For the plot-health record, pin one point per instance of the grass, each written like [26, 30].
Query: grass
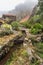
[36, 63]
[24, 53]
[39, 48]
[12, 57]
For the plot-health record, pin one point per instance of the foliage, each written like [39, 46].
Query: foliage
[38, 17]
[37, 28]
[12, 57]
[6, 29]
[40, 4]
[40, 10]
[26, 24]
[39, 48]
[35, 19]
[31, 21]
[36, 63]
[15, 25]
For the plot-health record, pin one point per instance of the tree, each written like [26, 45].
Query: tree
[40, 5]
[15, 25]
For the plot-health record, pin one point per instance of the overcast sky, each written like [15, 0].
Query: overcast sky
[6, 5]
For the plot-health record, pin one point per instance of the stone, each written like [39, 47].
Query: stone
[38, 39]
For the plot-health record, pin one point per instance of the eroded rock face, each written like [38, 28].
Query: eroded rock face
[6, 42]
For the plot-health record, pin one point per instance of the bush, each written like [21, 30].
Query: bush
[6, 29]
[26, 25]
[39, 48]
[37, 28]
[34, 19]
[15, 25]
[31, 21]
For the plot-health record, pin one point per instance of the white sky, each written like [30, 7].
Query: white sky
[6, 5]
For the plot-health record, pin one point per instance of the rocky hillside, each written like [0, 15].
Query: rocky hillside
[27, 47]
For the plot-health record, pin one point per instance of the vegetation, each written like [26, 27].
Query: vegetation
[12, 57]
[35, 19]
[15, 25]
[30, 48]
[24, 53]
[40, 10]
[26, 25]
[37, 28]
[39, 48]
[6, 29]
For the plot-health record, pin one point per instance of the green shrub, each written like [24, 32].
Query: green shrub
[15, 25]
[26, 25]
[31, 21]
[37, 28]
[39, 48]
[34, 19]
[6, 29]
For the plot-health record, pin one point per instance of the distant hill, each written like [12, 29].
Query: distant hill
[24, 9]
